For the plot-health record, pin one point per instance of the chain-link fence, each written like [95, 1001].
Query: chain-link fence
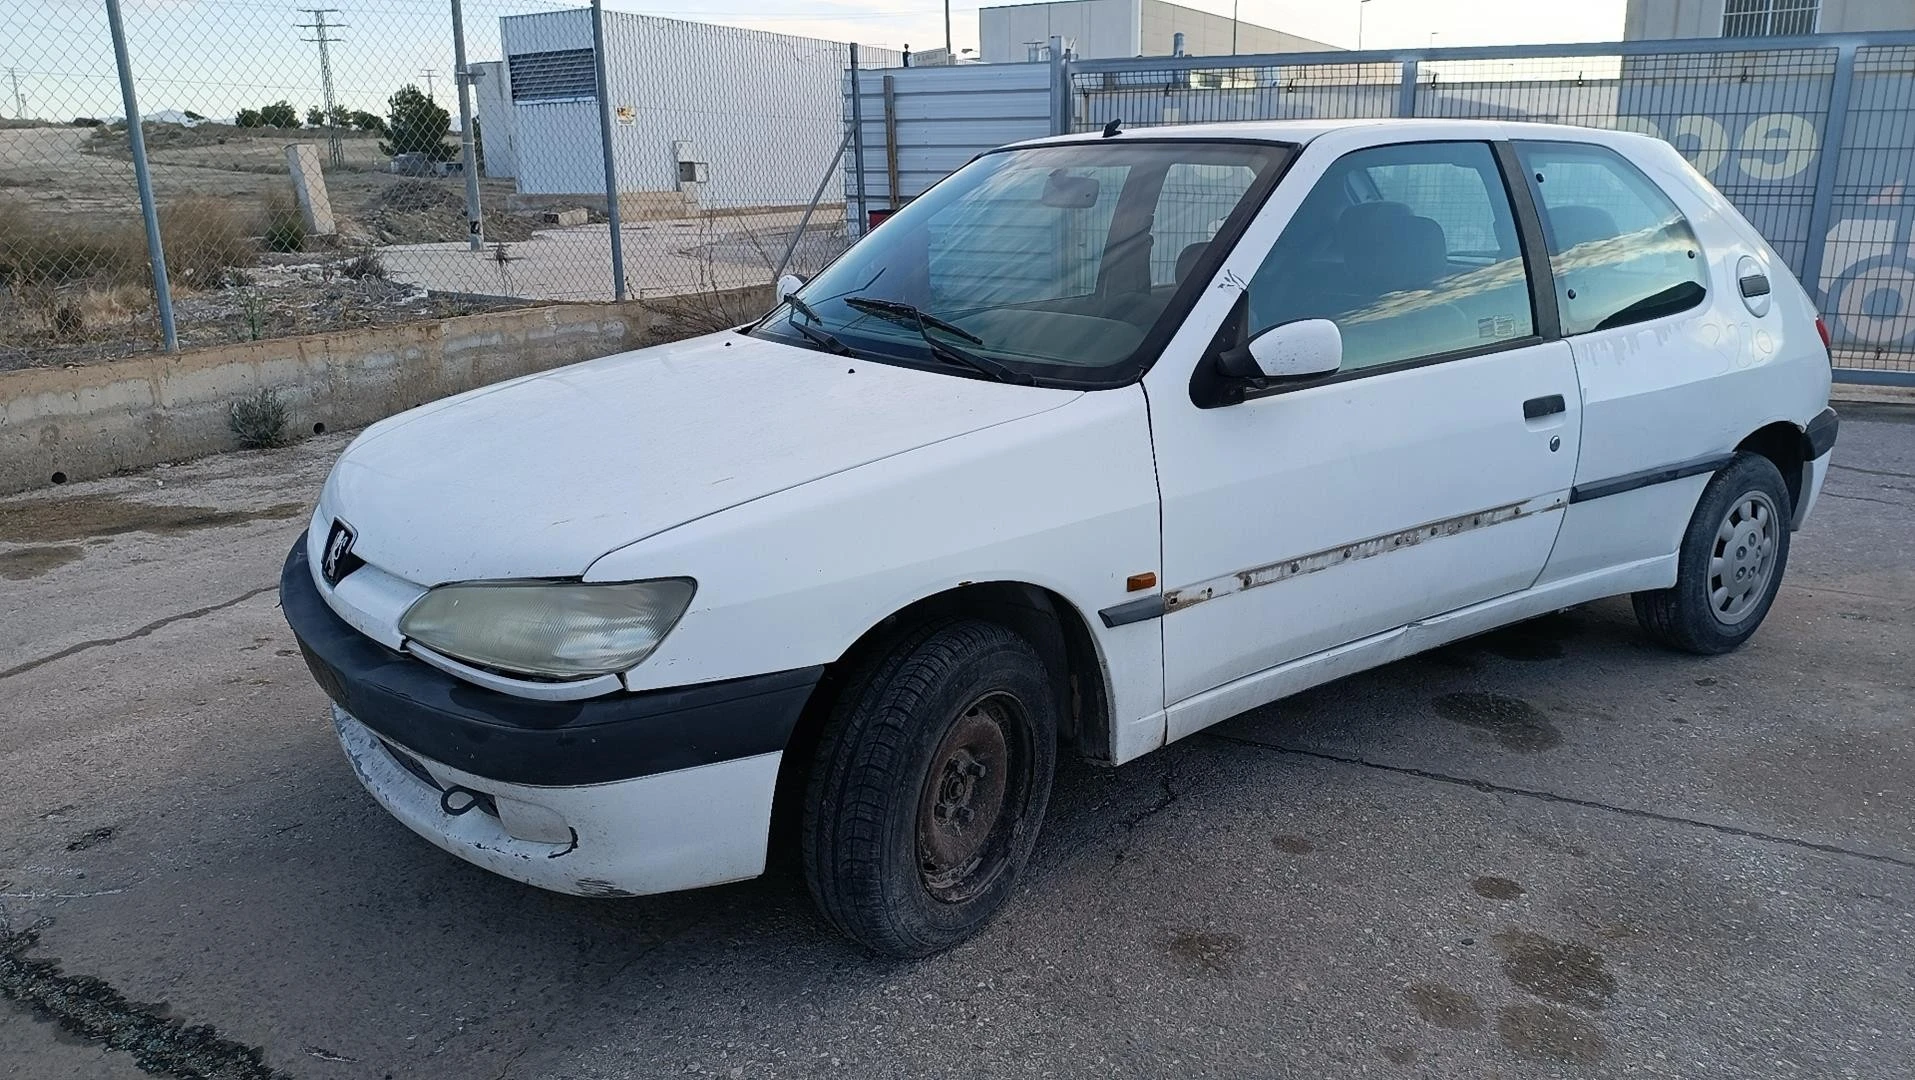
[309, 166]
[1813, 139]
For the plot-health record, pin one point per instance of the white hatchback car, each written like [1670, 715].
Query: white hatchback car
[1096, 443]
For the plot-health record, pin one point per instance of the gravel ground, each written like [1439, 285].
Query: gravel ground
[1551, 851]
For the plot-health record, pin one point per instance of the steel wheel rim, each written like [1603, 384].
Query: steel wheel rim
[1742, 558]
[973, 797]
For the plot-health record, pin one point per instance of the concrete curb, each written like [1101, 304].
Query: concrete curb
[59, 424]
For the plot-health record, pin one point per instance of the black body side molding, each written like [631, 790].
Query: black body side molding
[1147, 607]
[1602, 489]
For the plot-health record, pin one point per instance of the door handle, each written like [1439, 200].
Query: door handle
[1538, 407]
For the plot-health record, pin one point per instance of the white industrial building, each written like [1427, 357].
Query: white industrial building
[1763, 18]
[1099, 29]
[705, 117]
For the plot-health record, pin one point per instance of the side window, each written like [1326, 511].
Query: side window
[1621, 251]
[1411, 250]
[1195, 200]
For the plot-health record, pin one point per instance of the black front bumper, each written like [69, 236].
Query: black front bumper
[522, 741]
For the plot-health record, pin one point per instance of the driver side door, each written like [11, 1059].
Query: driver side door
[1314, 519]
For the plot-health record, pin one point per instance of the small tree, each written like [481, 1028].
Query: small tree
[365, 121]
[248, 118]
[279, 114]
[417, 125]
[315, 116]
[339, 117]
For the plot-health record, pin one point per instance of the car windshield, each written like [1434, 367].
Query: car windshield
[1051, 264]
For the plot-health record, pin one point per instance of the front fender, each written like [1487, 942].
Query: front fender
[1065, 500]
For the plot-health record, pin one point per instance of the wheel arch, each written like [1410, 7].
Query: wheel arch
[1050, 622]
[1783, 443]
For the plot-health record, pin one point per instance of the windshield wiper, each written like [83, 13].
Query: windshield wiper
[899, 311]
[813, 334]
[873, 306]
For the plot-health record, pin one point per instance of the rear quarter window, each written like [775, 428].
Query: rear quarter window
[1620, 250]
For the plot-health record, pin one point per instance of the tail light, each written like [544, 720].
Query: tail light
[1822, 328]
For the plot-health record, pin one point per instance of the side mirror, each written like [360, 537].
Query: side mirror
[1291, 350]
[787, 285]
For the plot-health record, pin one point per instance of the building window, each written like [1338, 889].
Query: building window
[566, 75]
[1768, 18]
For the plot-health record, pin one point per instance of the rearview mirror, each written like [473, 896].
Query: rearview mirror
[1291, 350]
[787, 285]
[1068, 192]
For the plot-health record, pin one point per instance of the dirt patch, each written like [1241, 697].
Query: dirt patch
[26, 563]
[1294, 845]
[1496, 888]
[415, 211]
[1205, 950]
[1445, 1007]
[1561, 971]
[1513, 723]
[44, 520]
[1540, 1031]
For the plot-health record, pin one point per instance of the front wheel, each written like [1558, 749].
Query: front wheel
[929, 785]
[1730, 565]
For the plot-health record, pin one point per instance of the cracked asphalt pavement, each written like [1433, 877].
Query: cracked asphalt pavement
[1552, 851]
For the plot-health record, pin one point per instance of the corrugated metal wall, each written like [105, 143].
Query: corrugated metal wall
[945, 117]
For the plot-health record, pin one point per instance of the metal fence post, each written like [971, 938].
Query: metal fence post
[605, 147]
[857, 140]
[804, 221]
[1827, 172]
[1406, 91]
[468, 158]
[136, 139]
[1060, 88]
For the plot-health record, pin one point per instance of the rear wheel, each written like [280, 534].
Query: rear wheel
[1730, 565]
[929, 786]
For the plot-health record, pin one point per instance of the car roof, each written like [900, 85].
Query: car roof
[1407, 130]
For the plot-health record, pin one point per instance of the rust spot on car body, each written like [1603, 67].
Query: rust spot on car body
[1284, 569]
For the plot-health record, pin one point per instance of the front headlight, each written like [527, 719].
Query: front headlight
[557, 629]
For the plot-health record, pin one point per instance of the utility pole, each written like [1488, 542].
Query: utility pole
[1359, 24]
[950, 55]
[335, 154]
[19, 103]
[428, 75]
[1233, 27]
[468, 158]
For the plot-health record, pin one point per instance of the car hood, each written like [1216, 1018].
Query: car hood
[542, 475]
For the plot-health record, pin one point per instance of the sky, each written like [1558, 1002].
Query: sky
[215, 56]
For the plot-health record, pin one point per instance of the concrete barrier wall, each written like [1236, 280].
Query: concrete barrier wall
[83, 422]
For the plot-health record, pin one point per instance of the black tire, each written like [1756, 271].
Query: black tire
[908, 751]
[1693, 616]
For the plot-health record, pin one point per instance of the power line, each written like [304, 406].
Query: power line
[428, 75]
[335, 153]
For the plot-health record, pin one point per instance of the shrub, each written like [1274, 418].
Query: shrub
[34, 256]
[88, 121]
[203, 237]
[285, 230]
[418, 126]
[248, 118]
[279, 114]
[366, 264]
[259, 421]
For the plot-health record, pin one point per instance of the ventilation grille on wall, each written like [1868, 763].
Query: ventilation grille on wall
[564, 75]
